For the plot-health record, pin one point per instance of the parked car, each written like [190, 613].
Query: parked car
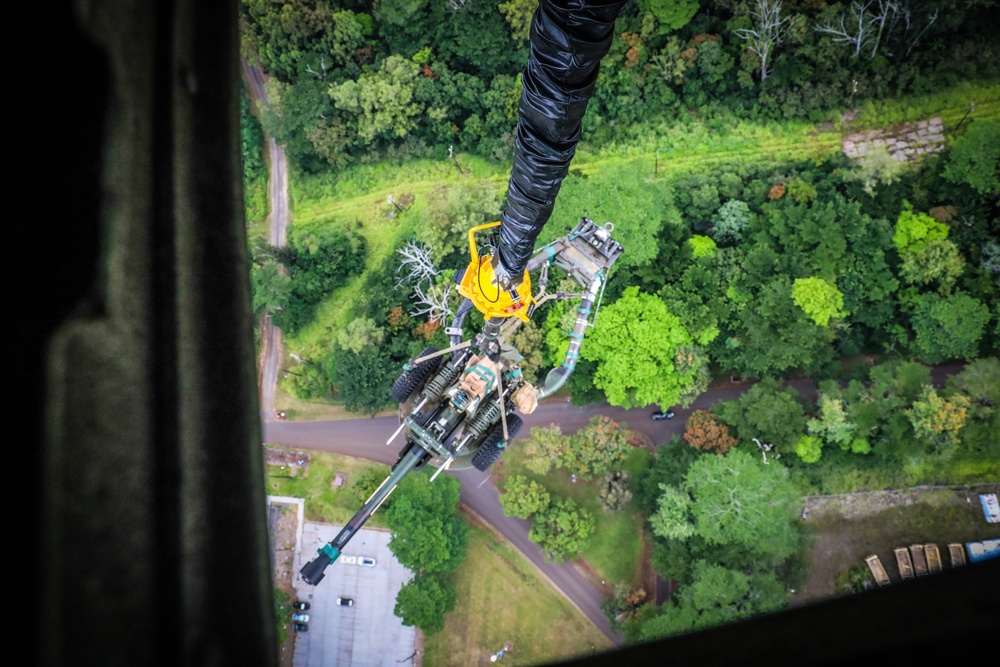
[350, 560]
[300, 605]
[345, 602]
[300, 618]
[367, 561]
[300, 627]
[666, 414]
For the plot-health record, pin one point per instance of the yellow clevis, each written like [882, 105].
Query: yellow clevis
[479, 286]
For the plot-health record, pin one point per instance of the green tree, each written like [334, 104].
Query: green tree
[360, 334]
[730, 220]
[809, 448]
[523, 498]
[980, 382]
[363, 379]
[915, 230]
[768, 412]
[635, 347]
[948, 327]
[562, 530]
[543, 449]
[596, 448]
[939, 419]
[382, 102]
[974, 160]
[937, 261]
[670, 14]
[672, 520]
[423, 601]
[740, 501]
[702, 246]
[833, 424]
[429, 535]
[518, 15]
[820, 300]
[270, 286]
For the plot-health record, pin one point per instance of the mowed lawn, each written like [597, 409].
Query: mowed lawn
[502, 599]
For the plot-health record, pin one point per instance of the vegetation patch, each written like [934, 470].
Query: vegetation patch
[502, 599]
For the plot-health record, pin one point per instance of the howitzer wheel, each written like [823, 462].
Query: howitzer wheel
[491, 450]
[410, 380]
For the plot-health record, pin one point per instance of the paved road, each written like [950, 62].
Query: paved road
[278, 199]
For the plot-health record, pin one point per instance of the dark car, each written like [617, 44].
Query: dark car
[300, 627]
[666, 414]
[345, 602]
[300, 605]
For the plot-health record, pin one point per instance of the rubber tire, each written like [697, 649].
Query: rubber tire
[491, 450]
[410, 380]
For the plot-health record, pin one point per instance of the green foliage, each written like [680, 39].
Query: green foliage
[768, 412]
[317, 264]
[980, 382]
[730, 220]
[637, 206]
[878, 168]
[450, 212]
[423, 601]
[809, 448]
[528, 340]
[523, 498]
[381, 104]
[833, 424]
[820, 300]
[948, 327]
[702, 246]
[915, 230]
[670, 14]
[716, 595]
[429, 535]
[363, 379]
[739, 500]
[672, 520]
[518, 15]
[543, 449]
[360, 334]
[562, 530]
[937, 261]
[635, 347]
[939, 419]
[974, 160]
[595, 449]
[271, 289]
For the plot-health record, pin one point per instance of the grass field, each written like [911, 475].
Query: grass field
[315, 482]
[502, 599]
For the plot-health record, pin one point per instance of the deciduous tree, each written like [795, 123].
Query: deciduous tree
[703, 431]
[562, 530]
[596, 448]
[635, 348]
[739, 500]
[523, 498]
[423, 601]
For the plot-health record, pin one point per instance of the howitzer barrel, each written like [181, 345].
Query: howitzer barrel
[313, 571]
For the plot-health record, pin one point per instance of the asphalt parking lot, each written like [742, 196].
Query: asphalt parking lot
[367, 634]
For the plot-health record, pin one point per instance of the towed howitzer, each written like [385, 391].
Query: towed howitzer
[459, 412]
